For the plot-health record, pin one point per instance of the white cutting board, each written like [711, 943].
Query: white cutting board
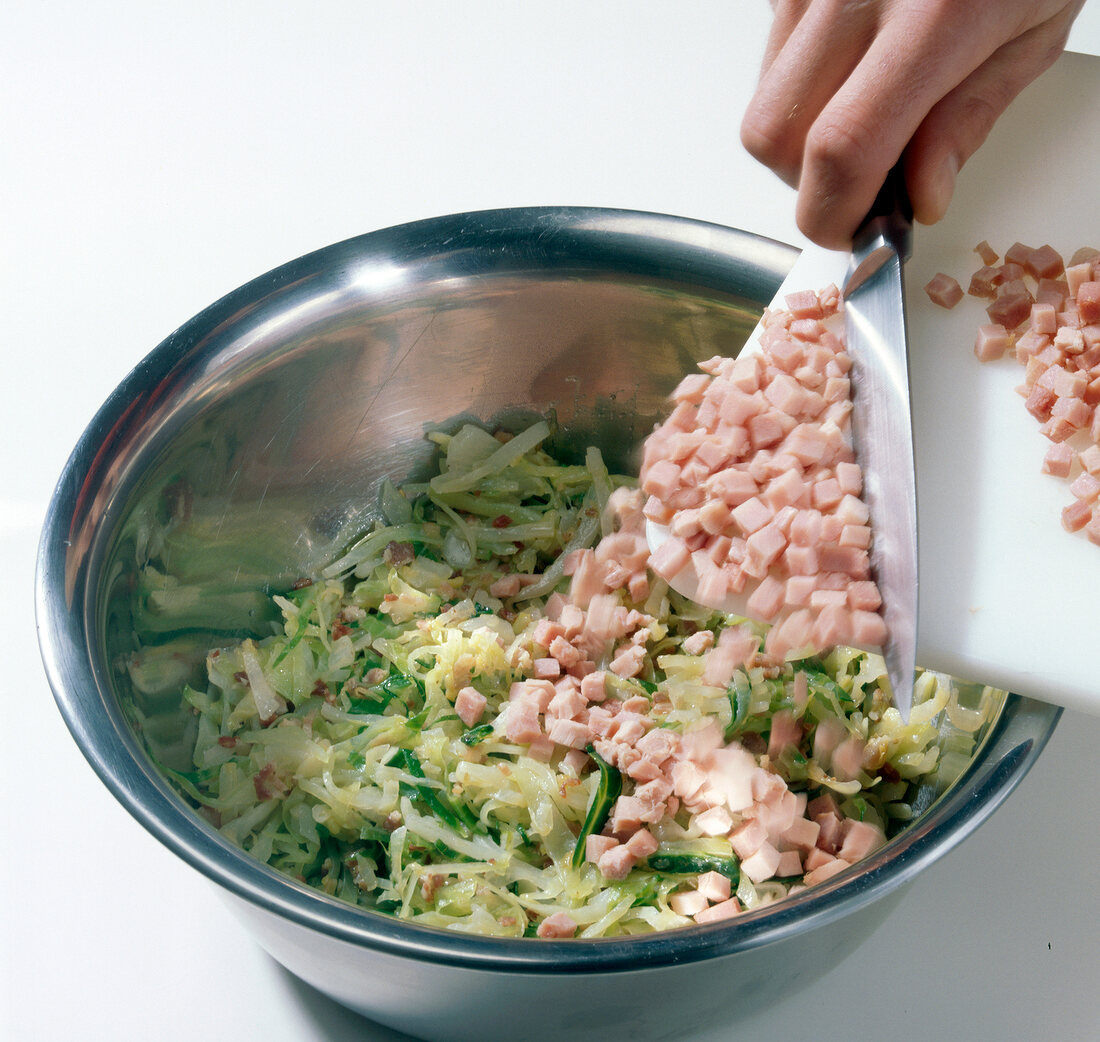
[1007, 596]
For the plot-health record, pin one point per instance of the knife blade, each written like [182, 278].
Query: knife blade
[882, 428]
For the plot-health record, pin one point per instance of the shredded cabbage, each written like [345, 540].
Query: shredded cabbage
[333, 751]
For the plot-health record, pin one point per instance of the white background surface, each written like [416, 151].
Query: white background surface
[155, 157]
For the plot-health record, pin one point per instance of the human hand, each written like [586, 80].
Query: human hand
[850, 86]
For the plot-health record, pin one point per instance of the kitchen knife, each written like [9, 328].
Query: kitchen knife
[882, 426]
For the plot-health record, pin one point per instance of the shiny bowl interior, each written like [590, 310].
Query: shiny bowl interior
[279, 411]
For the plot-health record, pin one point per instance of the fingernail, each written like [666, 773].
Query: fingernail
[940, 190]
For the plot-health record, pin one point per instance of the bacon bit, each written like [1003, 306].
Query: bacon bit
[397, 554]
[322, 690]
[391, 821]
[227, 741]
[241, 677]
[501, 521]
[268, 784]
[888, 773]
[430, 882]
[340, 630]
[301, 584]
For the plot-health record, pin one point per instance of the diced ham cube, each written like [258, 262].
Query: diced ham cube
[785, 731]
[1076, 516]
[688, 903]
[521, 723]
[470, 705]
[804, 304]
[860, 839]
[596, 846]
[790, 864]
[691, 388]
[1092, 529]
[802, 833]
[713, 886]
[1088, 301]
[991, 343]
[762, 864]
[1044, 263]
[868, 629]
[546, 668]
[661, 479]
[752, 515]
[617, 862]
[1059, 460]
[559, 924]
[765, 545]
[984, 282]
[986, 253]
[1086, 487]
[767, 599]
[1043, 319]
[747, 839]
[571, 733]
[826, 871]
[642, 844]
[1010, 309]
[722, 910]
[1090, 460]
[944, 290]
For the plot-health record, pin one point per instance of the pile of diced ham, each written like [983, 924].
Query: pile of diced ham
[755, 476]
[775, 833]
[1047, 315]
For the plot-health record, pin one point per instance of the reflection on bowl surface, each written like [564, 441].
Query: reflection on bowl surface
[274, 418]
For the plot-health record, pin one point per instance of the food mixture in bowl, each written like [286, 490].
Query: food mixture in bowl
[488, 715]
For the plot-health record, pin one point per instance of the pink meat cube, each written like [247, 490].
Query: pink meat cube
[642, 844]
[616, 863]
[713, 886]
[790, 864]
[722, 910]
[1076, 516]
[860, 839]
[752, 515]
[767, 599]
[688, 903]
[1043, 319]
[1090, 460]
[1088, 302]
[661, 479]
[991, 342]
[1058, 460]
[765, 545]
[826, 871]
[762, 864]
[1086, 487]
[469, 705]
[559, 924]
[944, 290]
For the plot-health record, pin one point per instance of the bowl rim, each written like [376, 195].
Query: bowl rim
[654, 244]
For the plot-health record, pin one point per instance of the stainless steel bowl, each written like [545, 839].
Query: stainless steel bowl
[278, 411]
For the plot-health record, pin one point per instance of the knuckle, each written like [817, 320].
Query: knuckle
[772, 143]
[841, 145]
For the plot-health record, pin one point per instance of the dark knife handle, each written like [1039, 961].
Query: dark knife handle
[890, 217]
